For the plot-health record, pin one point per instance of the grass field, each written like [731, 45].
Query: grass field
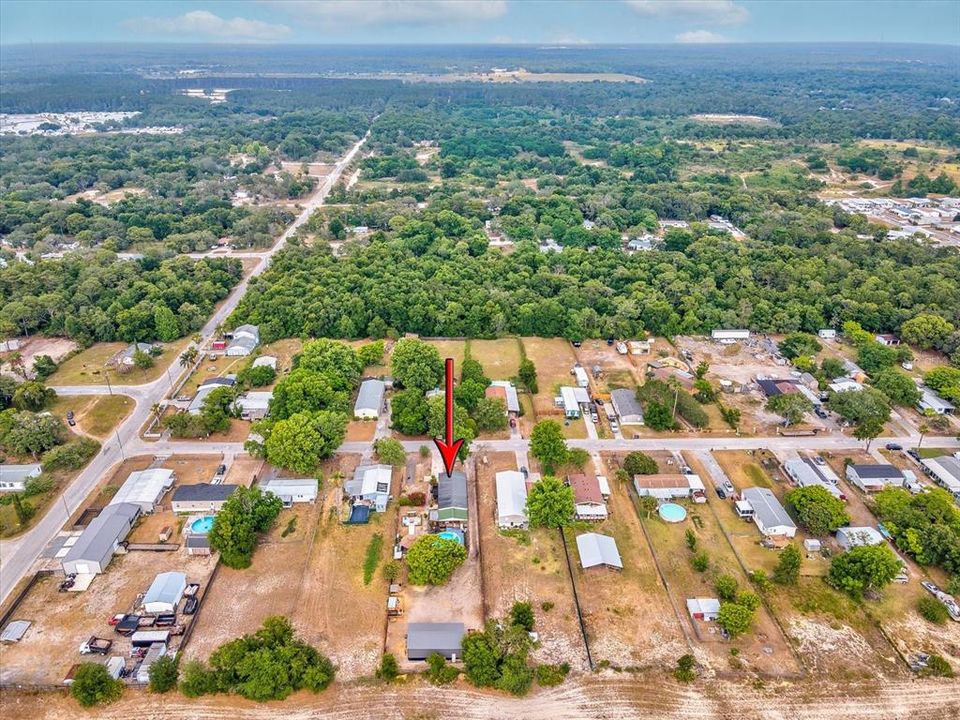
[451, 349]
[89, 367]
[500, 358]
[96, 415]
[553, 359]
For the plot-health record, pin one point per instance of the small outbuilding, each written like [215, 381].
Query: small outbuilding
[728, 337]
[851, 537]
[197, 545]
[14, 631]
[703, 608]
[266, 361]
[598, 550]
[425, 639]
[165, 592]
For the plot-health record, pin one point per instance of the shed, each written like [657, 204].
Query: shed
[627, 407]
[266, 361]
[243, 340]
[598, 550]
[165, 592]
[581, 376]
[811, 545]
[144, 488]
[197, 545]
[851, 537]
[369, 400]
[92, 551]
[201, 497]
[292, 490]
[14, 631]
[424, 639]
[511, 499]
[13, 478]
[703, 608]
[826, 333]
[768, 513]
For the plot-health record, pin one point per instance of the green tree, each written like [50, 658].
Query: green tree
[861, 406]
[408, 412]
[163, 674]
[432, 559]
[371, 353]
[33, 395]
[926, 331]
[735, 618]
[527, 376]
[246, 513]
[873, 357]
[726, 587]
[390, 451]
[898, 386]
[306, 390]
[43, 366]
[336, 361]
[548, 445]
[639, 463]
[521, 615]
[257, 376]
[439, 672]
[790, 406]
[92, 685]
[142, 360]
[685, 670]
[550, 503]
[463, 426]
[818, 511]
[658, 416]
[490, 414]
[165, 323]
[797, 344]
[481, 659]
[863, 568]
[388, 669]
[301, 441]
[868, 431]
[416, 364]
[932, 610]
[700, 561]
[787, 571]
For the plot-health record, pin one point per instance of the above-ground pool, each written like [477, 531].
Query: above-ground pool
[452, 535]
[202, 525]
[672, 513]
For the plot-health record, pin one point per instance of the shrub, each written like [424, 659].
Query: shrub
[391, 571]
[937, 666]
[440, 673]
[726, 587]
[700, 561]
[521, 615]
[433, 559]
[691, 539]
[71, 456]
[933, 610]
[638, 463]
[787, 571]
[372, 558]
[92, 685]
[547, 606]
[163, 674]
[685, 671]
[388, 669]
[414, 499]
[551, 675]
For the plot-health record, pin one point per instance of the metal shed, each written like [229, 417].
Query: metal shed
[424, 639]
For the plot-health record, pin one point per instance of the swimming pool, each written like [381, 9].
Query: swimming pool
[202, 525]
[452, 535]
[672, 513]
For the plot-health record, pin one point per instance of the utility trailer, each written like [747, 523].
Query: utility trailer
[98, 645]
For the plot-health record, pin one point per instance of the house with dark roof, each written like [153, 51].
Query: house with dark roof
[425, 639]
[587, 497]
[873, 478]
[451, 501]
[626, 405]
[201, 497]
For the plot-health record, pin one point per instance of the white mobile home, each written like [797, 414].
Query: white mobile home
[511, 499]
[728, 337]
[369, 400]
[768, 513]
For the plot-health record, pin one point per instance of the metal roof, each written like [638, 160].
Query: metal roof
[806, 474]
[15, 630]
[265, 360]
[570, 403]
[370, 396]
[705, 606]
[452, 490]
[197, 541]
[511, 494]
[856, 536]
[371, 479]
[946, 469]
[98, 538]
[166, 588]
[767, 508]
[878, 472]
[596, 549]
[144, 487]
[513, 402]
[429, 637]
[203, 492]
[255, 400]
[625, 403]
[18, 473]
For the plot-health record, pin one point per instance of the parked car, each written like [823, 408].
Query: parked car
[524, 472]
[100, 646]
[116, 618]
[894, 446]
[166, 619]
[191, 605]
[513, 422]
[577, 343]
[191, 589]
[914, 454]
[614, 426]
[721, 492]
[821, 413]
[71, 419]
[221, 470]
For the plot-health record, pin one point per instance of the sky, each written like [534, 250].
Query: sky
[565, 22]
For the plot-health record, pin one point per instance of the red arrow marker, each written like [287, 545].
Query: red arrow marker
[449, 447]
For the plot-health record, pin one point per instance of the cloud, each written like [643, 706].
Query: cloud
[341, 13]
[721, 12]
[202, 22]
[694, 37]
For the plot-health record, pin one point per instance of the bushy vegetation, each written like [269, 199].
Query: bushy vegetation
[926, 526]
[246, 514]
[432, 559]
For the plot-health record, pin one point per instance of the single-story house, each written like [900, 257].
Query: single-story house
[254, 405]
[125, 358]
[424, 639]
[144, 488]
[854, 371]
[92, 551]
[851, 537]
[728, 337]
[165, 592]
[197, 545]
[627, 407]
[703, 608]
[371, 486]
[571, 408]
[669, 374]
[887, 339]
[265, 361]
[292, 490]
[587, 498]
[806, 474]
[826, 333]
[845, 384]
[511, 499]
[369, 400]
[506, 391]
[929, 400]
[207, 387]
[581, 376]
[13, 478]
[243, 340]
[768, 514]
[452, 500]
[946, 471]
[666, 486]
[201, 497]
[872, 478]
[598, 550]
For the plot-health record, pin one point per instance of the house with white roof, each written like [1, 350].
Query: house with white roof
[571, 408]
[851, 537]
[768, 514]
[292, 490]
[930, 401]
[144, 488]
[511, 499]
[13, 478]
[370, 486]
[806, 474]
[505, 390]
[243, 340]
[598, 550]
[946, 471]
[369, 400]
[254, 405]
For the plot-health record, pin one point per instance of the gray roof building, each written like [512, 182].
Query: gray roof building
[768, 513]
[202, 496]
[15, 630]
[627, 406]
[369, 399]
[92, 552]
[14, 477]
[598, 550]
[165, 592]
[243, 340]
[424, 639]
[452, 496]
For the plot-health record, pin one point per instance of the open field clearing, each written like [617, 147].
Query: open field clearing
[500, 358]
[89, 367]
[30, 348]
[527, 566]
[731, 119]
[451, 349]
[553, 358]
[95, 415]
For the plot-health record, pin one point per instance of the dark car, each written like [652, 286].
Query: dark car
[71, 421]
[525, 472]
[191, 605]
[721, 493]
[914, 454]
[128, 625]
[821, 413]
[222, 470]
[577, 343]
[894, 446]
[609, 341]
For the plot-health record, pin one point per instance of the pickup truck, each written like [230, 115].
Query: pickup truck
[100, 646]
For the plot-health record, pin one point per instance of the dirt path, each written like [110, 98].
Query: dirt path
[605, 696]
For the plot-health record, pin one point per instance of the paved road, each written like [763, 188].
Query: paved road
[18, 554]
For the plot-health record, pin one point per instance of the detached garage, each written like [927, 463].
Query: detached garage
[424, 639]
[165, 592]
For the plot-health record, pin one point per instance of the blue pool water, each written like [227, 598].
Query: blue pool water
[672, 513]
[452, 535]
[201, 526]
